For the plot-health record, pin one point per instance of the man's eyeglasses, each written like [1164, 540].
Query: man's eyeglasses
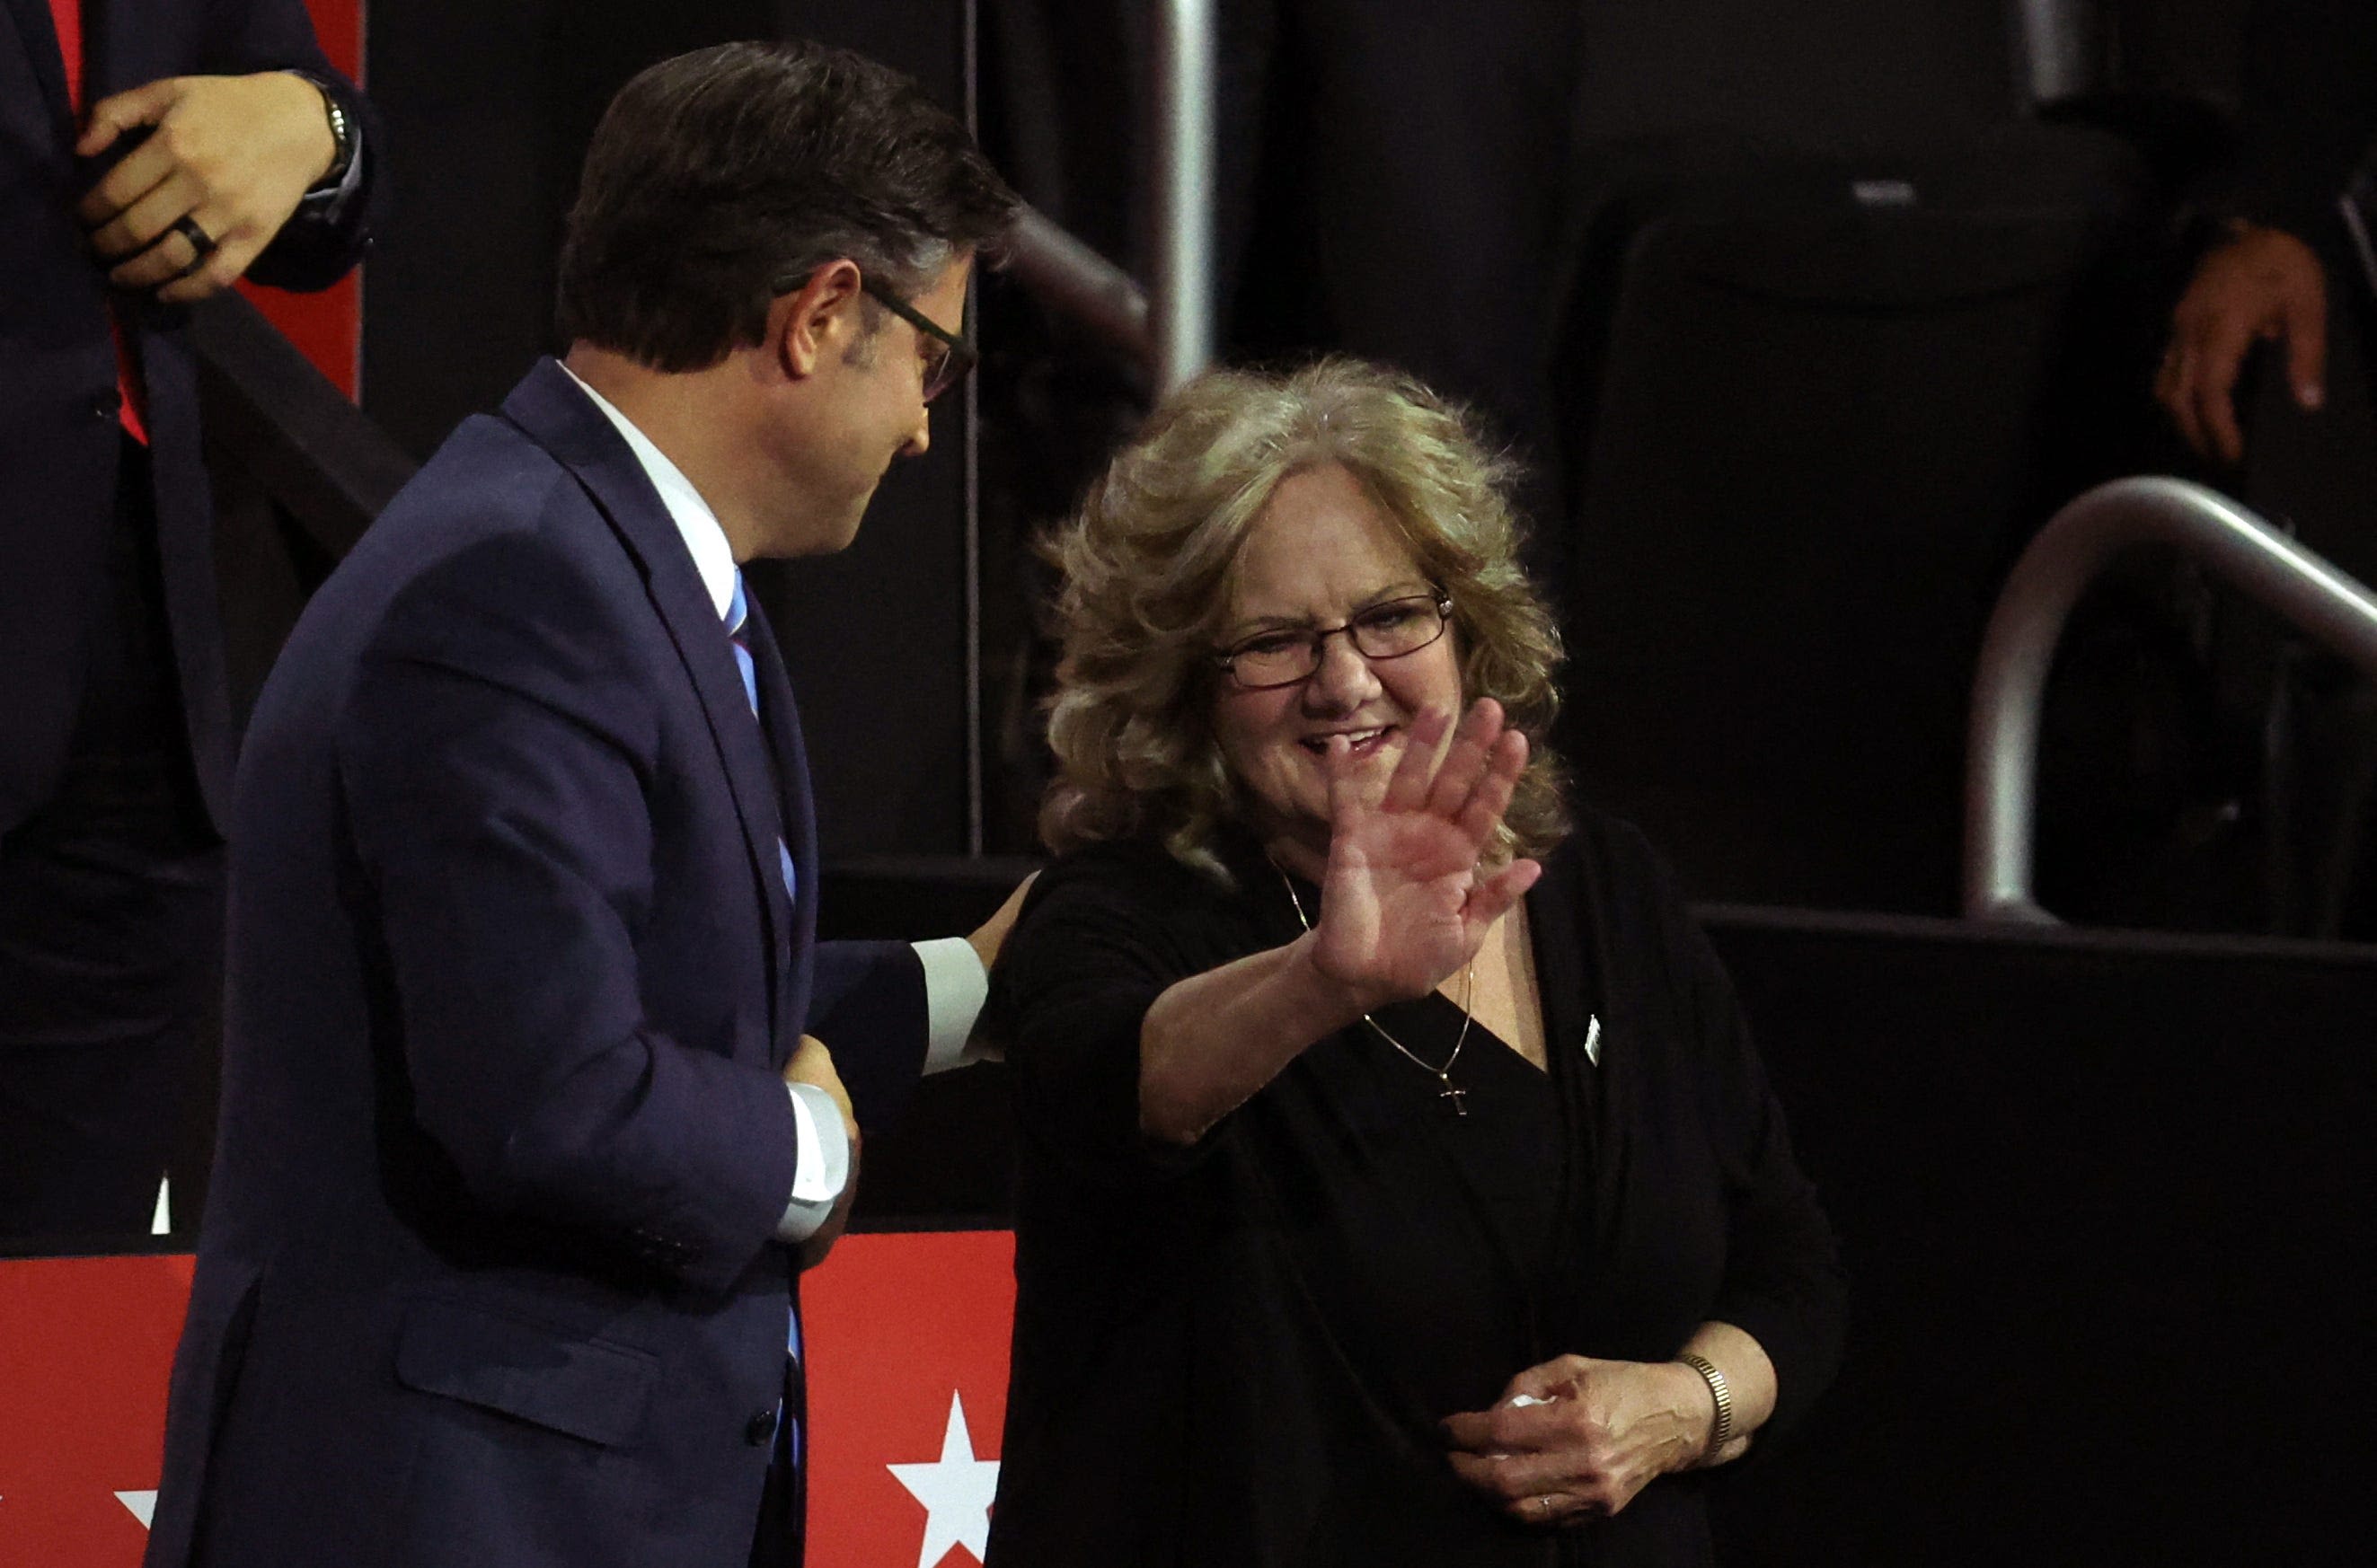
[1387, 630]
[951, 355]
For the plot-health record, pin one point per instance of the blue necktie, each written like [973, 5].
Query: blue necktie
[738, 612]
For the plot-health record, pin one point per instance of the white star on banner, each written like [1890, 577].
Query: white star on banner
[143, 1506]
[956, 1492]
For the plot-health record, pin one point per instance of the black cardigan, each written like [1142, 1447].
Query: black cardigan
[1236, 1354]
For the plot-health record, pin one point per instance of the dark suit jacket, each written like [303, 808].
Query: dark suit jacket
[2308, 86]
[486, 1277]
[59, 440]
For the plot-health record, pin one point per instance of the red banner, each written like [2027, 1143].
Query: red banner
[907, 1337]
[907, 1395]
[86, 1347]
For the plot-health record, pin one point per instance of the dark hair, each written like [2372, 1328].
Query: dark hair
[715, 175]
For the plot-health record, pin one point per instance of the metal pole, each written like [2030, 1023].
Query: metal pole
[969, 68]
[2071, 551]
[2059, 47]
[1181, 139]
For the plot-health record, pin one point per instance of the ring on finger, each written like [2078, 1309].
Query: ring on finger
[202, 245]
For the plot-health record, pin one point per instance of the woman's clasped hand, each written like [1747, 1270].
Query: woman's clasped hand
[1578, 1437]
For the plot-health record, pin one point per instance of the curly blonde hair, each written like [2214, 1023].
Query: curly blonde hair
[1146, 569]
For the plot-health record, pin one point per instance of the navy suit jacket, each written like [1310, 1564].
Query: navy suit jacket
[58, 433]
[486, 1274]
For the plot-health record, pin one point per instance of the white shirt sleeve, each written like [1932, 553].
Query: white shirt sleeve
[821, 1168]
[955, 988]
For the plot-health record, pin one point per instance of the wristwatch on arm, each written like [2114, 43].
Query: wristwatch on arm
[341, 176]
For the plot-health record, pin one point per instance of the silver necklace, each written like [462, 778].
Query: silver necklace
[1450, 1092]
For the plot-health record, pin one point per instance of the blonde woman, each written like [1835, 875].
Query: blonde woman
[1399, 1183]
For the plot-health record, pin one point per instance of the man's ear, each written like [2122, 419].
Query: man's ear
[814, 325]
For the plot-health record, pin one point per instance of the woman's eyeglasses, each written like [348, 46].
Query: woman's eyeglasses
[1387, 630]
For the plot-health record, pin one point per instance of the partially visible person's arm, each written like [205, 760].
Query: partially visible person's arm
[2306, 116]
[957, 983]
[2259, 285]
[1212, 1040]
[2309, 82]
[245, 154]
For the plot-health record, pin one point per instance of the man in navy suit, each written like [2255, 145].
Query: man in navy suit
[150, 152]
[533, 1100]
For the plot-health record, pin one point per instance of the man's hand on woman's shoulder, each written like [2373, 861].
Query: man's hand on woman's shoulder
[991, 935]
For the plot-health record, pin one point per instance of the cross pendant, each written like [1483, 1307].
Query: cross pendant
[1453, 1094]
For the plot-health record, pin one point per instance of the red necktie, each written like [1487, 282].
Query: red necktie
[65, 16]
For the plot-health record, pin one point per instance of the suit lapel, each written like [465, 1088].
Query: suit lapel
[38, 36]
[550, 409]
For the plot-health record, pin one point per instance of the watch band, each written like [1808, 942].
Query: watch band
[343, 141]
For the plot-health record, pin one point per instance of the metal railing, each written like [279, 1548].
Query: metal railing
[2071, 551]
[1167, 327]
[1071, 277]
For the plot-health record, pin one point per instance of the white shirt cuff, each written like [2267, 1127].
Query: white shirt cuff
[821, 1166]
[955, 988]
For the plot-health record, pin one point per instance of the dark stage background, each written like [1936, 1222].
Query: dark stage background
[2099, 1192]
[1393, 179]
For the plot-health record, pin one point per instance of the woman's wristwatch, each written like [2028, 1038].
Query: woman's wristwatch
[1722, 1433]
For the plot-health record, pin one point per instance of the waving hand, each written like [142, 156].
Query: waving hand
[1405, 900]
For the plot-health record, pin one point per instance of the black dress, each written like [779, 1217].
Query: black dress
[1236, 1355]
